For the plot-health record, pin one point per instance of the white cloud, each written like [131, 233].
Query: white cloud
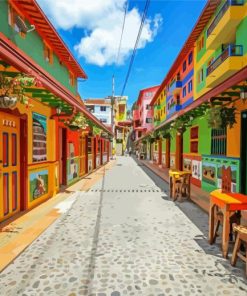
[102, 20]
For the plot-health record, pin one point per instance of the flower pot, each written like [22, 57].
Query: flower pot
[7, 102]
[73, 127]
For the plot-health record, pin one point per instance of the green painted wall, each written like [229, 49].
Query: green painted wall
[32, 45]
[163, 145]
[173, 144]
[186, 141]
[241, 34]
[204, 146]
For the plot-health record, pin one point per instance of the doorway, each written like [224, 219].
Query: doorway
[243, 152]
[62, 156]
[13, 165]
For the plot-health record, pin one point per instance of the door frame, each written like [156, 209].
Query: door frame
[23, 156]
[243, 156]
[62, 140]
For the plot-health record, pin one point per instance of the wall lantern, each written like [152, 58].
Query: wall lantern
[243, 94]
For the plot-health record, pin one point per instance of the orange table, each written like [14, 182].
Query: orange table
[173, 175]
[228, 202]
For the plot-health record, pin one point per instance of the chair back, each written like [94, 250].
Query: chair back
[226, 179]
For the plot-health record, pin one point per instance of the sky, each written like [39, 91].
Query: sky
[92, 29]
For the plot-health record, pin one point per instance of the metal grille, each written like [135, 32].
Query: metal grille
[218, 141]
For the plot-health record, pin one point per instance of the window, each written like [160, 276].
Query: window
[90, 108]
[200, 44]
[184, 92]
[194, 139]
[49, 56]
[12, 16]
[89, 145]
[103, 120]
[148, 107]
[190, 86]
[200, 76]
[71, 79]
[184, 66]
[218, 141]
[164, 110]
[190, 57]
[149, 120]
[103, 108]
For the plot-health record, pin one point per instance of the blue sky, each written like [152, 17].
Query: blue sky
[92, 32]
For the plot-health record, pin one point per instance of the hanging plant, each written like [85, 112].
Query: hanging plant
[165, 133]
[96, 130]
[180, 124]
[219, 117]
[79, 121]
[228, 116]
[12, 90]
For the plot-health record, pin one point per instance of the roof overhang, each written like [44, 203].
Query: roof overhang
[35, 16]
[11, 54]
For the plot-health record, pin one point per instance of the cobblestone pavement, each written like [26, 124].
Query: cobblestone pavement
[124, 237]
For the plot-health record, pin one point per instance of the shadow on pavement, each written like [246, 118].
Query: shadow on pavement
[200, 219]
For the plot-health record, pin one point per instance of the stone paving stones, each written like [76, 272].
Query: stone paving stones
[124, 243]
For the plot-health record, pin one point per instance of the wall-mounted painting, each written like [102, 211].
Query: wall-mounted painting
[38, 184]
[39, 138]
[209, 171]
[172, 161]
[197, 169]
[187, 164]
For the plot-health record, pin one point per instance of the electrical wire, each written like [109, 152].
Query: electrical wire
[123, 25]
[136, 44]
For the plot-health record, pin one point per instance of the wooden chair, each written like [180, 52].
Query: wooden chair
[226, 188]
[241, 238]
[182, 186]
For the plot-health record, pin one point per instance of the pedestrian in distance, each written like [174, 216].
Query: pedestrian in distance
[129, 151]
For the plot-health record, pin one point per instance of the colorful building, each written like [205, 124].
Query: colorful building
[205, 90]
[101, 109]
[121, 124]
[47, 136]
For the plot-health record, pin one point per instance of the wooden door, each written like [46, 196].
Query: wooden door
[82, 155]
[243, 152]
[62, 156]
[9, 165]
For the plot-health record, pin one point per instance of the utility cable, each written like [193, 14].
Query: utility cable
[136, 44]
[123, 25]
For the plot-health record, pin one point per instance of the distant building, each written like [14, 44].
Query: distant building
[100, 108]
[143, 114]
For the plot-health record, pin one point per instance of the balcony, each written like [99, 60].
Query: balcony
[175, 88]
[157, 107]
[229, 62]
[136, 115]
[223, 27]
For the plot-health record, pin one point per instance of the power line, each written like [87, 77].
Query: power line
[136, 44]
[120, 43]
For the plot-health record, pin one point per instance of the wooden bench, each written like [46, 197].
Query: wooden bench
[241, 238]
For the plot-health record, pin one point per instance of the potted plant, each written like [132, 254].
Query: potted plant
[12, 90]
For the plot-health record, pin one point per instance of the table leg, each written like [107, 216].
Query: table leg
[211, 223]
[226, 232]
[170, 185]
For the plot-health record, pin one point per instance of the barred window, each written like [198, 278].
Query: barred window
[218, 141]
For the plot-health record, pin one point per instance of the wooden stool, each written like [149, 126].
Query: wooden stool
[241, 237]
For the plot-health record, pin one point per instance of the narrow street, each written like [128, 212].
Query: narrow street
[124, 237]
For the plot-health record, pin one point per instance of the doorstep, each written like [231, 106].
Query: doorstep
[198, 196]
[17, 233]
